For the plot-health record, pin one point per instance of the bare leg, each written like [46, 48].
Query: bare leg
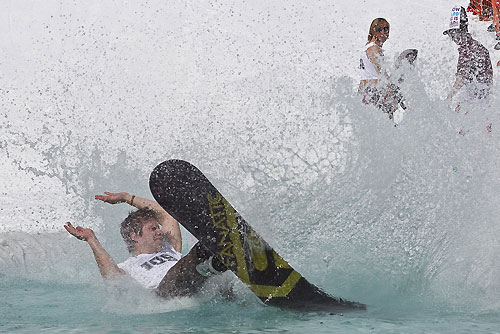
[183, 279]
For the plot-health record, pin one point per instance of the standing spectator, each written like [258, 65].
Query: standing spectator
[474, 71]
[374, 83]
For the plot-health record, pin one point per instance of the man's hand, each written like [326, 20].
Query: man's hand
[113, 198]
[79, 232]
[107, 266]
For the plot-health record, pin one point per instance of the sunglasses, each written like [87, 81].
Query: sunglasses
[384, 29]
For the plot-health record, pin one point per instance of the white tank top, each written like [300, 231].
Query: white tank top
[366, 67]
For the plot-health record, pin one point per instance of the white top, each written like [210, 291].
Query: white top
[149, 269]
[367, 69]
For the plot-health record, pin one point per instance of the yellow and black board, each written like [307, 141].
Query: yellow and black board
[186, 194]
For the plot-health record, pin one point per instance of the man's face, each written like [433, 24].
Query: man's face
[456, 37]
[151, 239]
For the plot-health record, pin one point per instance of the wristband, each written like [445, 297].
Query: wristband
[132, 200]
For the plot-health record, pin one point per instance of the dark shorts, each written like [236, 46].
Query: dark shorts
[386, 100]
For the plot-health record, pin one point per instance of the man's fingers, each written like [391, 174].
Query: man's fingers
[76, 232]
[71, 230]
[103, 198]
[108, 197]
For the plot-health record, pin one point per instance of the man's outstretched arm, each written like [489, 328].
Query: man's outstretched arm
[105, 262]
[169, 225]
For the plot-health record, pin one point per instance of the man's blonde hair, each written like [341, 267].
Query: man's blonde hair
[134, 223]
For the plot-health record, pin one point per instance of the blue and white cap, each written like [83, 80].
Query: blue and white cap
[458, 20]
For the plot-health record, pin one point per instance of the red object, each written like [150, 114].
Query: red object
[481, 8]
[498, 64]
[495, 9]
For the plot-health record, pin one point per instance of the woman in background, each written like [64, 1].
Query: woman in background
[374, 84]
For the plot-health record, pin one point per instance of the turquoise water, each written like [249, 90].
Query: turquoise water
[34, 307]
